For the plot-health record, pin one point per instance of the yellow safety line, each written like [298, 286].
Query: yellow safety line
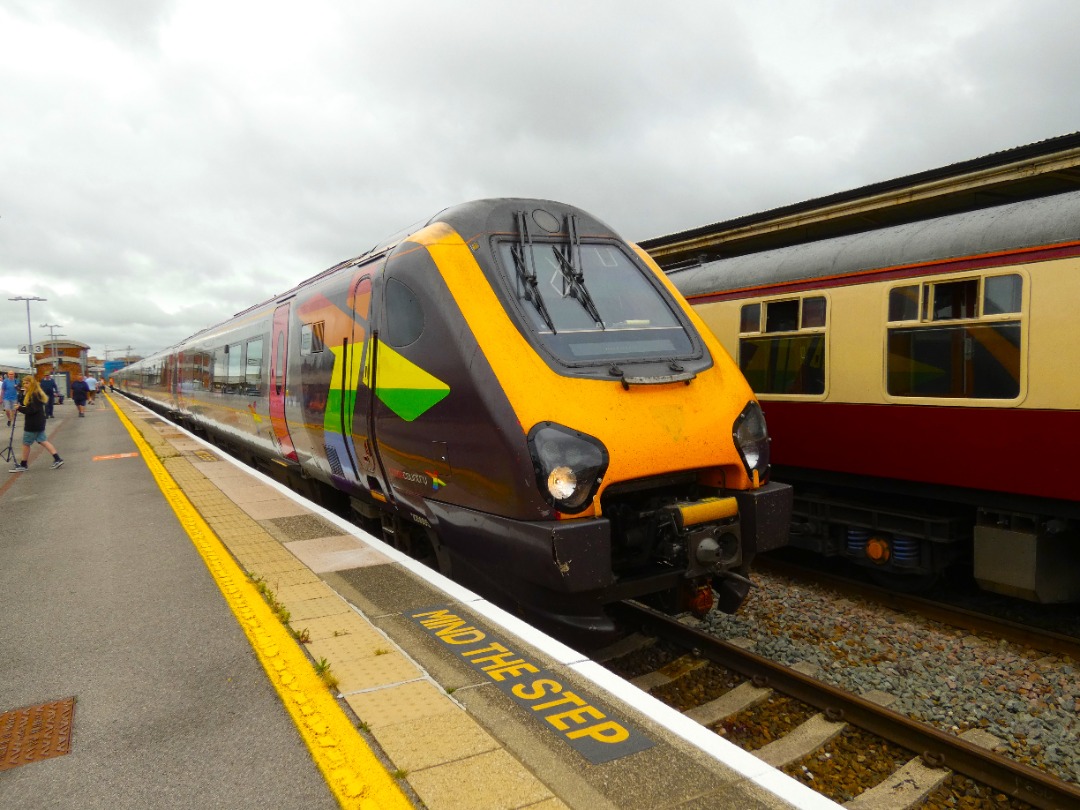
[352, 771]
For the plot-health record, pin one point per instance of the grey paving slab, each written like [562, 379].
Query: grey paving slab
[104, 598]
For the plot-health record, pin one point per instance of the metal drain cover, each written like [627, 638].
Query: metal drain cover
[35, 732]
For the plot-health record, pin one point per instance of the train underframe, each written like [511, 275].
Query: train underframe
[562, 575]
[906, 536]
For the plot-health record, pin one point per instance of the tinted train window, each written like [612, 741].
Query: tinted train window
[904, 303]
[782, 316]
[637, 321]
[750, 318]
[793, 363]
[253, 368]
[1002, 295]
[235, 353]
[311, 338]
[404, 315]
[977, 359]
[956, 300]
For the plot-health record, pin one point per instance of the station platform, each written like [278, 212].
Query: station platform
[182, 632]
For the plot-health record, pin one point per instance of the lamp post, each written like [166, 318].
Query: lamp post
[29, 335]
[52, 339]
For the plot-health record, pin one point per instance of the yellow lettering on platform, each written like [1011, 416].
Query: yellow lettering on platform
[522, 692]
[577, 715]
[609, 732]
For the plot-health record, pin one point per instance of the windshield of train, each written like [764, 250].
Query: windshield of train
[590, 303]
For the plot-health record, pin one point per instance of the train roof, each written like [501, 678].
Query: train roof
[1051, 220]
[1036, 170]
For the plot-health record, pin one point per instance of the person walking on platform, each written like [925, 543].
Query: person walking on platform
[48, 385]
[91, 389]
[79, 393]
[10, 389]
[33, 408]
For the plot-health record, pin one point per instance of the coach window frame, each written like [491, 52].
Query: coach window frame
[928, 316]
[312, 338]
[784, 333]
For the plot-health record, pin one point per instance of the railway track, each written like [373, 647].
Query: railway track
[973, 621]
[925, 756]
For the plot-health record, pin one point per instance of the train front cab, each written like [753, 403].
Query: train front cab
[574, 485]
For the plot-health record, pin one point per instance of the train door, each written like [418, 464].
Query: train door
[365, 353]
[357, 399]
[344, 422]
[279, 364]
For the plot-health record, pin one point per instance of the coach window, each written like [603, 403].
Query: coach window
[750, 318]
[235, 353]
[788, 355]
[405, 316]
[311, 338]
[965, 344]
[219, 366]
[253, 367]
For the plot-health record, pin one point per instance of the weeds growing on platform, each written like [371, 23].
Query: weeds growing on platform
[322, 668]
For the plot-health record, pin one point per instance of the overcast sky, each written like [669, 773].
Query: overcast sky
[164, 164]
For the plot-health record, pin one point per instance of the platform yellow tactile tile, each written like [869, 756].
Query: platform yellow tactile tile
[434, 740]
[341, 625]
[267, 555]
[283, 579]
[266, 570]
[357, 674]
[314, 608]
[401, 703]
[363, 642]
[291, 594]
[493, 780]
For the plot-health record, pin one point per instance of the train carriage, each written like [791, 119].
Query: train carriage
[921, 389]
[511, 393]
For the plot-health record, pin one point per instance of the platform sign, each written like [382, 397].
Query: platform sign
[546, 695]
[24, 348]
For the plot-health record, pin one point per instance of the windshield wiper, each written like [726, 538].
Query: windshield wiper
[526, 271]
[574, 277]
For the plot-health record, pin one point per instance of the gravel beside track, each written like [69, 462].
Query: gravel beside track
[955, 681]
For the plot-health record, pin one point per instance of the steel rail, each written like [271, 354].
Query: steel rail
[937, 748]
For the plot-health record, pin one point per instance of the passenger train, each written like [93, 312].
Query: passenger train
[511, 393]
[922, 388]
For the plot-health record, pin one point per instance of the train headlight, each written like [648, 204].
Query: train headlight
[569, 465]
[752, 440]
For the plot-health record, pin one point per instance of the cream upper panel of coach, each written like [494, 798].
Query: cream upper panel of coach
[1054, 335]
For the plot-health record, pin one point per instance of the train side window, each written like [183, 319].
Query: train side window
[782, 316]
[750, 318]
[813, 312]
[253, 366]
[404, 315]
[791, 363]
[311, 338]
[954, 300]
[234, 353]
[977, 359]
[904, 303]
[219, 369]
[1002, 295]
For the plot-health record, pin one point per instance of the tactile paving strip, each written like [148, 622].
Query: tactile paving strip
[34, 733]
